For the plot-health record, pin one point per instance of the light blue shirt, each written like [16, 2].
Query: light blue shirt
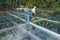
[26, 15]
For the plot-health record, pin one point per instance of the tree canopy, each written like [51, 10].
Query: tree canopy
[42, 3]
[31, 3]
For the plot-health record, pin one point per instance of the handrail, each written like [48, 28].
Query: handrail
[41, 19]
[55, 35]
[18, 26]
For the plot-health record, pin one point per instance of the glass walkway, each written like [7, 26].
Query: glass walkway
[13, 27]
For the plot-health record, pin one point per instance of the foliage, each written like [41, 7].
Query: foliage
[39, 3]
[42, 3]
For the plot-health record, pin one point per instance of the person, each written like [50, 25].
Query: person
[26, 16]
[33, 13]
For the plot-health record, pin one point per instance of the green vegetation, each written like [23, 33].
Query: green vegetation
[9, 4]
[42, 3]
[48, 4]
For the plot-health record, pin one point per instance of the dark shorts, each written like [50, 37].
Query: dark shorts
[33, 14]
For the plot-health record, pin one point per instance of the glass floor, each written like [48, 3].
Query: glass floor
[12, 28]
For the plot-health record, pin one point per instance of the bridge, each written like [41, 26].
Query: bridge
[19, 31]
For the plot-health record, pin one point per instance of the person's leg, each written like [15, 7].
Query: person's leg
[25, 17]
[33, 17]
[27, 26]
[27, 22]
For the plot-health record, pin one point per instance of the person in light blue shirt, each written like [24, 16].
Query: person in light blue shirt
[26, 16]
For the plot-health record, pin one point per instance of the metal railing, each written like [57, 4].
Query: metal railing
[53, 35]
[17, 33]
